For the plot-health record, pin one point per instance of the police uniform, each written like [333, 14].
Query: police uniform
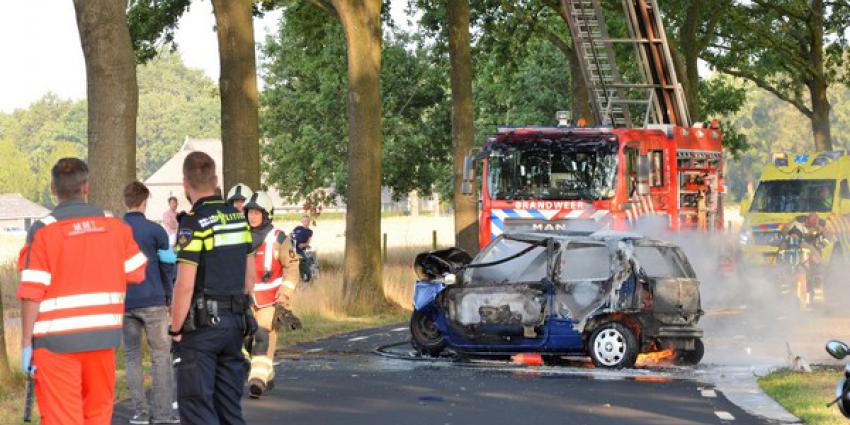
[209, 365]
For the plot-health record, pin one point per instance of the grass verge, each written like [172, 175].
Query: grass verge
[805, 394]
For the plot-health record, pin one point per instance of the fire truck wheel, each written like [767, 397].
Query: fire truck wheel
[424, 335]
[613, 346]
[691, 357]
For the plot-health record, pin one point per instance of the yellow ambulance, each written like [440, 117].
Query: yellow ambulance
[791, 188]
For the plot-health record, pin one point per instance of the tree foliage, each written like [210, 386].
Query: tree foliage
[174, 102]
[304, 112]
[794, 49]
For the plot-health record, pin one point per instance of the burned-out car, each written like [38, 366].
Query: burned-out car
[607, 295]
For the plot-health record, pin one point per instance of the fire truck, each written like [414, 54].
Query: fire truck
[617, 174]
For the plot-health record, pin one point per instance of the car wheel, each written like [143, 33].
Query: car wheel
[613, 346]
[424, 335]
[691, 357]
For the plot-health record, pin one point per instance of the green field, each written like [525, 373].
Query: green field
[805, 394]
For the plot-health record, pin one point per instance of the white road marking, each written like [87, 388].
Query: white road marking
[399, 329]
[313, 350]
[357, 338]
[724, 416]
[708, 393]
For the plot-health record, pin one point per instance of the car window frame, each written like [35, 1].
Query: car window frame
[559, 272]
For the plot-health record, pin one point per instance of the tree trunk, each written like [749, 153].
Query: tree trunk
[818, 84]
[362, 284]
[580, 94]
[238, 88]
[465, 206]
[113, 99]
[686, 59]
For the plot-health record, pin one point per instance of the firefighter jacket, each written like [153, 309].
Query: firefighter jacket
[215, 237]
[77, 263]
[276, 270]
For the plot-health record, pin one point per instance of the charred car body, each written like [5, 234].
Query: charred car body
[607, 295]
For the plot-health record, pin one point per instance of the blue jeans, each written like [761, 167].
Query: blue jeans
[154, 323]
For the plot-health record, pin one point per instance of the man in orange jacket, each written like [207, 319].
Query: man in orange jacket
[74, 274]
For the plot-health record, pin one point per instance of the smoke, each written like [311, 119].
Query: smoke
[752, 314]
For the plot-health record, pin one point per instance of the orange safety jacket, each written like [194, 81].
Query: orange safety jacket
[269, 272]
[77, 263]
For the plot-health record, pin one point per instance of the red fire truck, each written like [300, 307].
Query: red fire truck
[614, 175]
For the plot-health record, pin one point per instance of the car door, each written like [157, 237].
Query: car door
[583, 285]
[501, 306]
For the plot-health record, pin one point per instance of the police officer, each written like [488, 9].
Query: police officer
[237, 195]
[210, 307]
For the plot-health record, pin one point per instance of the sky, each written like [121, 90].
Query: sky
[47, 55]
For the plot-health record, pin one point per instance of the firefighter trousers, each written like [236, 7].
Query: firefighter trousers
[74, 388]
[265, 340]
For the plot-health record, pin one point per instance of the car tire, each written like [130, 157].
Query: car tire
[424, 335]
[613, 346]
[691, 357]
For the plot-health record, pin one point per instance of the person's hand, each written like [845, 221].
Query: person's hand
[177, 338]
[166, 256]
[26, 359]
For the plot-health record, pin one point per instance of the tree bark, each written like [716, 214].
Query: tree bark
[578, 87]
[465, 206]
[687, 58]
[362, 274]
[238, 88]
[818, 84]
[113, 99]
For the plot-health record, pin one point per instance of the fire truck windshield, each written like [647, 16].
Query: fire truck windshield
[553, 170]
[794, 196]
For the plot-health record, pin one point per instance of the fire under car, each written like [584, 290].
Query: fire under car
[607, 295]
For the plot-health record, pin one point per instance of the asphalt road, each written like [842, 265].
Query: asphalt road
[341, 381]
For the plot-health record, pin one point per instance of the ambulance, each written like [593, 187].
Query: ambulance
[793, 187]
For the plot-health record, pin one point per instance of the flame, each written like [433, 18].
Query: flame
[663, 357]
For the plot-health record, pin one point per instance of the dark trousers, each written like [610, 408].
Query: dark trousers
[210, 370]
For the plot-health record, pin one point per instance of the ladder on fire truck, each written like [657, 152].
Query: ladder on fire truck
[613, 102]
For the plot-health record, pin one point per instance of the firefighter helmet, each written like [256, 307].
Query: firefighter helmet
[260, 200]
[239, 192]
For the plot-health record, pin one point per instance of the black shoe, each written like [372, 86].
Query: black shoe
[256, 388]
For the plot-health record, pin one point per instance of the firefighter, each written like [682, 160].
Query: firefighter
[74, 274]
[237, 195]
[276, 264]
[210, 307]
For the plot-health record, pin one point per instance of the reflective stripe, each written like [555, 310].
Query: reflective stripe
[194, 246]
[134, 262]
[266, 286]
[36, 276]
[203, 234]
[81, 300]
[231, 226]
[92, 321]
[226, 239]
[269, 251]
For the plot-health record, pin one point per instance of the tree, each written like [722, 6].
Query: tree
[361, 22]
[466, 207]
[238, 87]
[15, 174]
[791, 48]
[112, 99]
[175, 102]
[305, 123]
